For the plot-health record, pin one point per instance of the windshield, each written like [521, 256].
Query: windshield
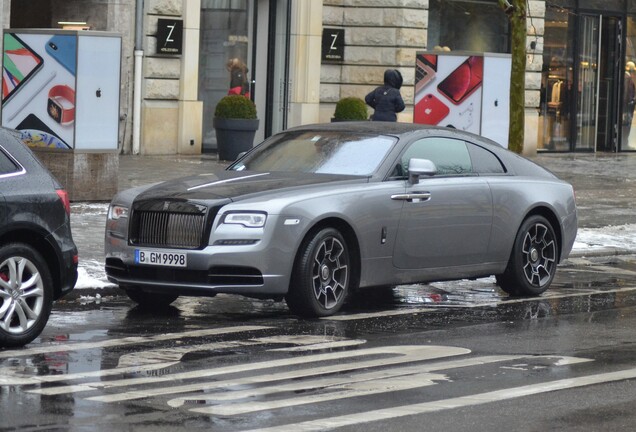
[319, 152]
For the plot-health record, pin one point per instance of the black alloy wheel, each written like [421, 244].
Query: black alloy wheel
[321, 276]
[533, 260]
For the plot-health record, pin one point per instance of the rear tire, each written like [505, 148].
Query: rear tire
[533, 260]
[26, 294]
[321, 276]
[148, 300]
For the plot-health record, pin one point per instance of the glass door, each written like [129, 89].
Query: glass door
[609, 97]
[628, 137]
[586, 107]
[279, 83]
[225, 35]
[598, 81]
[557, 81]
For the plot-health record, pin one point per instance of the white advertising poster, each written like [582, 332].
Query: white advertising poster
[98, 69]
[448, 90]
[469, 92]
[495, 116]
[38, 87]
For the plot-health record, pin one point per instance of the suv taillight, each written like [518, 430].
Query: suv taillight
[65, 200]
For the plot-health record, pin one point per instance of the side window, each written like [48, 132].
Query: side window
[484, 162]
[449, 155]
[6, 164]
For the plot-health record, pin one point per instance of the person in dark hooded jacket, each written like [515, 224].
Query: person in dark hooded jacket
[386, 100]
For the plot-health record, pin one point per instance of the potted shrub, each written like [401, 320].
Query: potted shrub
[236, 124]
[350, 109]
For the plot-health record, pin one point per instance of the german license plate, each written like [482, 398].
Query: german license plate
[160, 258]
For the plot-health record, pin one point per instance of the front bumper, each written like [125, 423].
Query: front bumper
[261, 269]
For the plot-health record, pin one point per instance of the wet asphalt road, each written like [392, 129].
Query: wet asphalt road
[454, 356]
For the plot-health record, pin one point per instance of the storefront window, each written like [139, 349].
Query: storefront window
[604, 5]
[556, 80]
[628, 141]
[225, 36]
[465, 25]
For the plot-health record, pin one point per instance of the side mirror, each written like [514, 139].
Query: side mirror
[419, 168]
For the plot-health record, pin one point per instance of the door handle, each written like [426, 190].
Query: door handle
[412, 197]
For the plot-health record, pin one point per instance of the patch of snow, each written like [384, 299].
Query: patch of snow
[616, 236]
[89, 277]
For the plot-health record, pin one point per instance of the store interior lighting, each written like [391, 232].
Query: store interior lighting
[73, 25]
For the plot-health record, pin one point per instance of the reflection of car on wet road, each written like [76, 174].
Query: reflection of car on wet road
[38, 259]
[318, 211]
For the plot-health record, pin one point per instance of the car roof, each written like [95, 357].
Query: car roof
[397, 129]
[514, 163]
[380, 128]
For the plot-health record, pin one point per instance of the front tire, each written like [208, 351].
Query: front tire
[26, 294]
[321, 276]
[147, 300]
[533, 260]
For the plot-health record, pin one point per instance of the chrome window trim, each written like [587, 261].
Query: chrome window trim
[20, 171]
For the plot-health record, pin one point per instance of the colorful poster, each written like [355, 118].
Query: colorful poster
[463, 91]
[38, 87]
[448, 90]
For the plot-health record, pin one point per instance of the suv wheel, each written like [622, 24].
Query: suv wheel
[26, 294]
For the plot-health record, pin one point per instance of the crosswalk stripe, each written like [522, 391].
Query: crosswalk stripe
[342, 392]
[397, 377]
[402, 354]
[452, 403]
[147, 361]
[57, 347]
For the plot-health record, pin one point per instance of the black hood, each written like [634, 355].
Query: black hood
[393, 78]
[236, 185]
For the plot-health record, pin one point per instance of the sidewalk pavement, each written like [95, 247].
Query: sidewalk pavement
[605, 186]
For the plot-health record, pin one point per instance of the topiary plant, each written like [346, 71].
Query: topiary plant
[235, 107]
[350, 108]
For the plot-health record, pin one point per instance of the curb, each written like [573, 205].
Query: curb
[600, 252]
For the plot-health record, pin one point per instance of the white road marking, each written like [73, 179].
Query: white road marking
[398, 355]
[15, 379]
[343, 391]
[57, 347]
[398, 378]
[297, 386]
[446, 404]
[147, 361]
[303, 343]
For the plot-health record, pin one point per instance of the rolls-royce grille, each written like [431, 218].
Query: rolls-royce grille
[152, 227]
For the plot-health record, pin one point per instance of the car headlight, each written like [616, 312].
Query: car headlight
[247, 219]
[117, 212]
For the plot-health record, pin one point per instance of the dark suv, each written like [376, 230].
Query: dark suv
[38, 258]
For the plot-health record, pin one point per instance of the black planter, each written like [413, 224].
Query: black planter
[234, 136]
